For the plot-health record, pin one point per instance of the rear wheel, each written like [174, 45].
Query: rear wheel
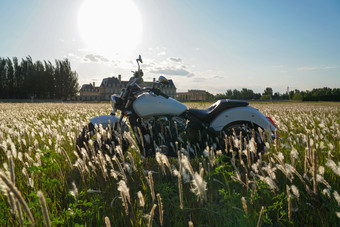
[241, 135]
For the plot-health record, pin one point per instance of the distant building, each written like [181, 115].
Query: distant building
[114, 85]
[192, 95]
[89, 92]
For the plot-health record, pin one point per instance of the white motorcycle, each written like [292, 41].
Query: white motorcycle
[161, 123]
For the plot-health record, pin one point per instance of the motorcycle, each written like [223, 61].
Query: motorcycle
[161, 123]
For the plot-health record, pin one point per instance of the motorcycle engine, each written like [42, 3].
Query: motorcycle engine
[165, 131]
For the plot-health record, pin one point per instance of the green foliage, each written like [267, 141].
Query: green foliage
[37, 79]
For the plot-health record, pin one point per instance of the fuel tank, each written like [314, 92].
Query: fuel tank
[147, 105]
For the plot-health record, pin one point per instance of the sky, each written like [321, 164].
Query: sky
[209, 45]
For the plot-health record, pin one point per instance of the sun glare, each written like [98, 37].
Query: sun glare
[110, 26]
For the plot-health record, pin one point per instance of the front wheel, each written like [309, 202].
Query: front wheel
[92, 139]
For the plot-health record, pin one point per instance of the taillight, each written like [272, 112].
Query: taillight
[271, 120]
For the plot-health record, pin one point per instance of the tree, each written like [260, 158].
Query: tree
[66, 81]
[38, 79]
[247, 94]
[268, 91]
[298, 96]
[229, 94]
[2, 76]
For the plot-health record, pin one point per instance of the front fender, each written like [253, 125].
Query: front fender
[105, 120]
[247, 113]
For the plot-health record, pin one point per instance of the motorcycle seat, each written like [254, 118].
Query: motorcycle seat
[206, 115]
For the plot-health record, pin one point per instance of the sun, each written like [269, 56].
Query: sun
[110, 26]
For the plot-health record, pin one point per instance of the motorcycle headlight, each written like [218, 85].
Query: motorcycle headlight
[116, 101]
[113, 101]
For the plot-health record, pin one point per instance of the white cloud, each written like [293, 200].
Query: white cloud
[95, 58]
[307, 68]
[312, 68]
[161, 53]
[329, 67]
[175, 59]
[172, 66]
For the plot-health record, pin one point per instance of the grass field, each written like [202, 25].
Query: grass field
[296, 181]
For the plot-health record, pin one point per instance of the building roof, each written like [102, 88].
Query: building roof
[86, 86]
[111, 80]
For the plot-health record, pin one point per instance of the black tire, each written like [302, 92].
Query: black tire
[248, 129]
[89, 133]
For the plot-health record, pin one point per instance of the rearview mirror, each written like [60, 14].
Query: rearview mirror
[139, 59]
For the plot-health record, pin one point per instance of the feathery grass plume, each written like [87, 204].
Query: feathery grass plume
[301, 179]
[131, 140]
[12, 201]
[191, 224]
[294, 155]
[259, 221]
[295, 191]
[180, 188]
[331, 164]
[186, 164]
[149, 179]
[201, 170]
[13, 150]
[141, 139]
[120, 152]
[336, 197]
[152, 213]
[270, 182]
[11, 169]
[244, 204]
[93, 191]
[315, 166]
[120, 167]
[132, 161]
[44, 208]
[254, 191]
[107, 222]
[160, 206]
[108, 160]
[128, 169]
[321, 179]
[102, 161]
[199, 187]
[247, 154]
[21, 219]
[67, 157]
[225, 143]
[158, 159]
[141, 199]
[74, 190]
[321, 170]
[124, 195]
[80, 165]
[165, 161]
[289, 200]
[18, 196]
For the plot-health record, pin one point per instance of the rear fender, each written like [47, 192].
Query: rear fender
[107, 120]
[246, 114]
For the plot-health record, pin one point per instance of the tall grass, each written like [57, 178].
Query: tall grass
[45, 182]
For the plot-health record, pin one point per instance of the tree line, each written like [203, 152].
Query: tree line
[40, 79]
[317, 94]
